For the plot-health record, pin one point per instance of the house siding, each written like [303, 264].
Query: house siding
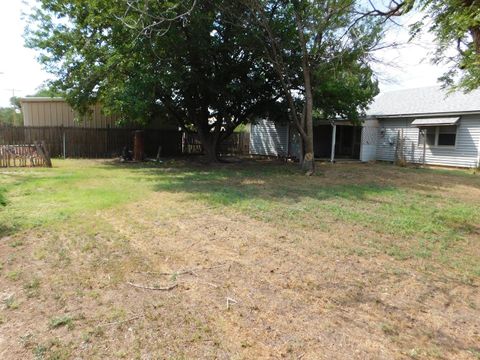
[464, 154]
[268, 138]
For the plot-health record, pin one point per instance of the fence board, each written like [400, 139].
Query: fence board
[236, 144]
[109, 142]
[91, 142]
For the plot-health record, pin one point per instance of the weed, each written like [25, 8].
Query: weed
[32, 287]
[27, 340]
[52, 350]
[39, 352]
[389, 329]
[57, 322]
[10, 303]
[14, 275]
[475, 353]
[16, 243]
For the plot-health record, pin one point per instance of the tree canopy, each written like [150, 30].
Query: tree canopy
[208, 66]
[202, 73]
[456, 27]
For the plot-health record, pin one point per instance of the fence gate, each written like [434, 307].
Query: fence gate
[24, 155]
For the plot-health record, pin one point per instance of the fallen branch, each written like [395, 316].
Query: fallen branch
[181, 272]
[230, 301]
[175, 273]
[168, 288]
[122, 321]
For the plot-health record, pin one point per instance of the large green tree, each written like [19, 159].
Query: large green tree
[188, 63]
[210, 65]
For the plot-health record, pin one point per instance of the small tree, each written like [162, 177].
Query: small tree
[319, 51]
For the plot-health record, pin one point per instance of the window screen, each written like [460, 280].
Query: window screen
[438, 135]
[447, 135]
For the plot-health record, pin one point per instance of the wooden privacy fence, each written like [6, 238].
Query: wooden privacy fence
[236, 144]
[24, 155]
[91, 143]
[109, 142]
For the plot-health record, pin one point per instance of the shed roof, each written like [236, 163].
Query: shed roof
[41, 99]
[424, 101]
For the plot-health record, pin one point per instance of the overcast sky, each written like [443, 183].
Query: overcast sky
[19, 69]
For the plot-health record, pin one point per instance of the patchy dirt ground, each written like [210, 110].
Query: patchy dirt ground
[238, 287]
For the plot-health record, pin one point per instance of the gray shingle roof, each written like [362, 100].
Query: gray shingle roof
[428, 100]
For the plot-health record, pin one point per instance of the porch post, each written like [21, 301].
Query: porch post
[334, 137]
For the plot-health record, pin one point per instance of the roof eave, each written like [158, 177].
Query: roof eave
[41, 99]
[396, 116]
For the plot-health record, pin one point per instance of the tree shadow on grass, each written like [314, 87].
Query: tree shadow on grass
[233, 183]
[270, 180]
[401, 202]
[3, 199]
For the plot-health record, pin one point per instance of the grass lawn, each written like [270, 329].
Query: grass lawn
[238, 261]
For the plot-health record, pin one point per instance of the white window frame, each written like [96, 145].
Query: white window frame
[437, 134]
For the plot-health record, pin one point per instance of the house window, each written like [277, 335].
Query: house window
[447, 135]
[438, 135]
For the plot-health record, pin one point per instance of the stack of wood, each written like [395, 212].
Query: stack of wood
[25, 155]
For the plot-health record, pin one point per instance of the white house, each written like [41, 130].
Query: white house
[425, 125]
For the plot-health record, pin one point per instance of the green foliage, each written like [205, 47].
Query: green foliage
[9, 116]
[15, 101]
[344, 83]
[201, 74]
[11, 303]
[338, 45]
[61, 321]
[47, 91]
[456, 26]
[209, 70]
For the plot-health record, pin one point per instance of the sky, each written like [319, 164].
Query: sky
[19, 69]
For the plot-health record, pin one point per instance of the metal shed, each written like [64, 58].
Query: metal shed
[55, 112]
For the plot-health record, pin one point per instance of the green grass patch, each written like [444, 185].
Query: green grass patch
[39, 197]
[405, 209]
[3, 199]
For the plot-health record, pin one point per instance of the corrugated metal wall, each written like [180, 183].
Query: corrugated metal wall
[464, 154]
[53, 112]
[269, 138]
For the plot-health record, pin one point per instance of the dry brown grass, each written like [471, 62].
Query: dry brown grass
[301, 293]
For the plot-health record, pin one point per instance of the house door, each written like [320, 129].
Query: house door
[348, 142]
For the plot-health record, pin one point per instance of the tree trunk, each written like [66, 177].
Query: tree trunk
[209, 143]
[309, 157]
[210, 148]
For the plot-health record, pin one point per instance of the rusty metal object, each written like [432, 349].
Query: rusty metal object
[138, 146]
